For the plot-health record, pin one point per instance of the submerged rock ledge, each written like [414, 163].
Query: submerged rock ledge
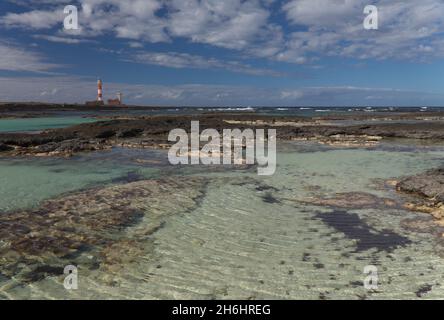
[104, 228]
[428, 193]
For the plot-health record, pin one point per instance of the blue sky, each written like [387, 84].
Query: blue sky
[231, 52]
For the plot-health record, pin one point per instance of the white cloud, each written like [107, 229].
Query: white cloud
[135, 19]
[19, 59]
[37, 19]
[233, 24]
[184, 60]
[291, 94]
[322, 13]
[62, 39]
[408, 29]
[134, 44]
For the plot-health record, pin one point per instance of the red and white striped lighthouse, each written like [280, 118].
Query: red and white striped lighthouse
[99, 91]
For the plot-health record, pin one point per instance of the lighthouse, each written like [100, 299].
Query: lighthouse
[99, 91]
[99, 101]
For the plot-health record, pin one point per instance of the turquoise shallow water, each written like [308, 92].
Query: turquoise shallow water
[247, 237]
[25, 182]
[38, 124]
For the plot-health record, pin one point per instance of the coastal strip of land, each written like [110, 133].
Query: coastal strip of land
[152, 131]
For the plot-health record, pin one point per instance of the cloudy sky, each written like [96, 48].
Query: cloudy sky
[230, 52]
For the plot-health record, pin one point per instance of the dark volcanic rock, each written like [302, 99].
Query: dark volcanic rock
[428, 193]
[152, 131]
[130, 133]
[106, 134]
[429, 185]
[4, 147]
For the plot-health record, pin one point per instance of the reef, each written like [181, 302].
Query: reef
[426, 192]
[102, 228]
[352, 200]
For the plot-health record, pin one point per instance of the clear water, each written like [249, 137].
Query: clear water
[25, 182]
[247, 236]
[39, 124]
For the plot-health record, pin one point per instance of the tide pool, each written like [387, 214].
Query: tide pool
[244, 236]
[39, 124]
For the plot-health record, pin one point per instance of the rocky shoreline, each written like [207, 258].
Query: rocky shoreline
[426, 193]
[152, 132]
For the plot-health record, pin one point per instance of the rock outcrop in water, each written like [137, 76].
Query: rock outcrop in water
[427, 190]
[4, 147]
[352, 200]
[104, 228]
[152, 132]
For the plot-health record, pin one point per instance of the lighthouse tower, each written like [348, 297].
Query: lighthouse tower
[99, 91]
